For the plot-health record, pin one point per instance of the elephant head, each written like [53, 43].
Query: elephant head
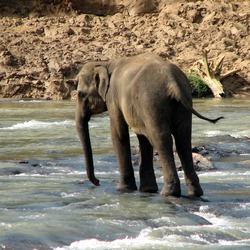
[93, 84]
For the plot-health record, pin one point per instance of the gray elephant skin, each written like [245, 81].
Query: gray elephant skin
[153, 98]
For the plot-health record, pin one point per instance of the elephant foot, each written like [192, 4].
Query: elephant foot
[194, 190]
[171, 190]
[124, 188]
[153, 188]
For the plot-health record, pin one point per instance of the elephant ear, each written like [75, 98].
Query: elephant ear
[102, 81]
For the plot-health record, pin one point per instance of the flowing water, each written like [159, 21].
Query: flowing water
[46, 201]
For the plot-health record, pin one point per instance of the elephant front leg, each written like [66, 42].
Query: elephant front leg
[146, 169]
[120, 137]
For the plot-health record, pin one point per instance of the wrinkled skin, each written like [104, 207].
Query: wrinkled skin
[153, 98]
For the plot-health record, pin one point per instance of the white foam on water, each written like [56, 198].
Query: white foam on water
[31, 175]
[127, 243]
[227, 223]
[235, 134]
[34, 124]
[244, 206]
[241, 134]
[223, 173]
[213, 133]
[223, 231]
[215, 220]
[171, 241]
[28, 101]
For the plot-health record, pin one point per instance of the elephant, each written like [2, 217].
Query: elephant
[152, 97]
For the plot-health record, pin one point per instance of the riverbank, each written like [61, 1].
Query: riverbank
[42, 51]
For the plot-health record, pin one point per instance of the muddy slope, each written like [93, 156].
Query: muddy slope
[44, 43]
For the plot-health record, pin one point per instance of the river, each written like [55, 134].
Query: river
[46, 201]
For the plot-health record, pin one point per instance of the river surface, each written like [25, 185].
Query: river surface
[46, 201]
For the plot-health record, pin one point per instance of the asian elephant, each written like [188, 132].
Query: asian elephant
[153, 98]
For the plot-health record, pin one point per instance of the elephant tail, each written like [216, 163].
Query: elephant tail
[205, 118]
[184, 100]
[178, 87]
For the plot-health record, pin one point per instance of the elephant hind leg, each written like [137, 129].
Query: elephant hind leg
[184, 150]
[146, 169]
[163, 143]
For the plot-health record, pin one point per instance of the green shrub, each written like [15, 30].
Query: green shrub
[199, 87]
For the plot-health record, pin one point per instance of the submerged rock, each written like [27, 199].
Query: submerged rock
[201, 163]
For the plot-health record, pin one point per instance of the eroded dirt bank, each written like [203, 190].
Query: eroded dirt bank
[42, 46]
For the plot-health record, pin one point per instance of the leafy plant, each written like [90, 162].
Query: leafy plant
[199, 87]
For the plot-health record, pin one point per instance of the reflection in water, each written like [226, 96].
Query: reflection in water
[47, 202]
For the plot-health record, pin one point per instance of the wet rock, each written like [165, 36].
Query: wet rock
[201, 163]
[16, 172]
[23, 162]
[228, 146]
[201, 159]
[200, 154]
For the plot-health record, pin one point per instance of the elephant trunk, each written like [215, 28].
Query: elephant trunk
[83, 132]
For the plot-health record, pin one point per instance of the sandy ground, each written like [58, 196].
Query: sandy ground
[41, 54]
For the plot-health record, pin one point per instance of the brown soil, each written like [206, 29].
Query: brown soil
[44, 43]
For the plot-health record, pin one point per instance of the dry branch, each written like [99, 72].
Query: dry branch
[212, 75]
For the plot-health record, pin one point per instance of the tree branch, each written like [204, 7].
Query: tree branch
[218, 66]
[212, 75]
[205, 61]
[230, 72]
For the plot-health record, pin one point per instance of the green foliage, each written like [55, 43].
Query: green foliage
[199, 87]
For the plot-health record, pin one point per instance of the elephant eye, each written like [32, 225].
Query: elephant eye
[81, 94]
